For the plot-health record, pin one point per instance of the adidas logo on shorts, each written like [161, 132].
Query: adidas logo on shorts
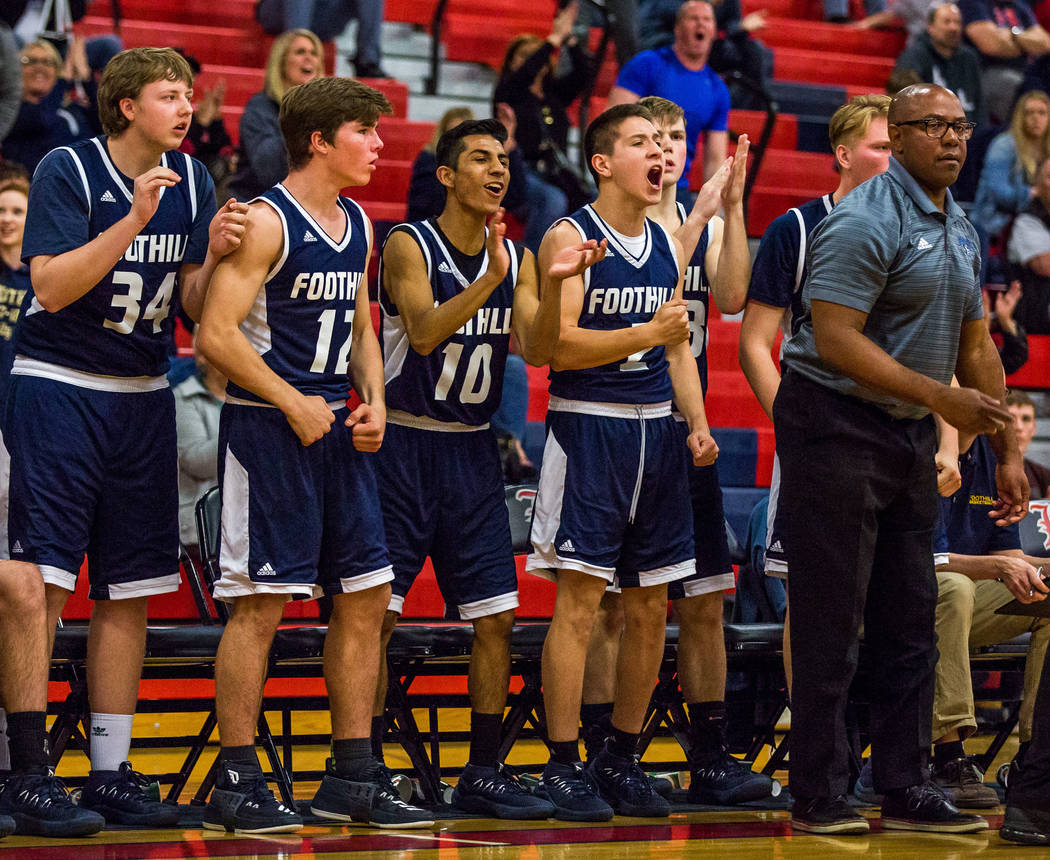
[566, 546]
[309, 237]
[444, 268]
[107, 197]
[17, 548]
[776, 547]
[266, 570]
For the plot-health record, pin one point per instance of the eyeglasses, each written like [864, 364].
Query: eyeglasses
[37, 61]
[939, 127]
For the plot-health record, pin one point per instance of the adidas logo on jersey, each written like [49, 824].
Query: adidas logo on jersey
[444, 268]
[566, 546]
[107, 197]
[923, 244]
[309, 237]
[17, 548]
[266, 570]
[776, 547]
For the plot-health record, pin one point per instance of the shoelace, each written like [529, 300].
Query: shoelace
[632, 778]
[387, 788]
[968, 772]
[130, 783]
[575, 784]
[45, 793]
[507, 777]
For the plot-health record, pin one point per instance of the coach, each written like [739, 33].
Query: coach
[892, 308]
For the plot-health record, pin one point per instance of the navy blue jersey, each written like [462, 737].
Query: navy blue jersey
[696, 290]
[461, 380]
[303, 317]
[965, 527]
[123, 325]
[14, 286]
[621, 291]
[779, 271]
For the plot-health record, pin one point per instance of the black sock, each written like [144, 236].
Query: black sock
[622, 744]
[596, 715]
[565, 752]
[351, 755]
[707, 731]
[484, 738]
[378, 730]
[27, 740]
[944, 753]
[240, 755]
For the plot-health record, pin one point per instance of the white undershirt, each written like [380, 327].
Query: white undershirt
[634, 245]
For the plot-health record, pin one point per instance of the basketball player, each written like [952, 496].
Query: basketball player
[113, 224]
[613, 494]
[451, 293]
[287, 320]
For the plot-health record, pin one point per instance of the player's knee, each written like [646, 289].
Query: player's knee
[258, 614]
[22, 591]
[494, 629]
[701, 609]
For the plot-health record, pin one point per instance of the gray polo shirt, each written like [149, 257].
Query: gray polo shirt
[887, 250]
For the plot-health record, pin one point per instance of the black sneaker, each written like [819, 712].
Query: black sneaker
[369, 70]
[925, 807]
[242, 803]
[963, 782]
[120, 796]
[495, 792]
[826, 815]
[575, 798]
[729, 781]
[371, 800]
[661, 784]
[1027, 826]
[623, 784]
[40, 806]
[7, 826]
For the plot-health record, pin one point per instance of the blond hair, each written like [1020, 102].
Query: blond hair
[851, 121]
[449, 119]
[273, 79]
[664, 111]
[47, 48]
[1030, 155]
[128, 73]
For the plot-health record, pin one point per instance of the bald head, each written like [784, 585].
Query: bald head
[914, 102]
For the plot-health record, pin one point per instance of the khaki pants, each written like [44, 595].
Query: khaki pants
[966, 619]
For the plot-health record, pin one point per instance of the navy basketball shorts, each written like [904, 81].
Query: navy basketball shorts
[613, 498]
[776, 557]
[442, 495]
[714, 570]
[94, 472]
[5, 482]
[296, 520]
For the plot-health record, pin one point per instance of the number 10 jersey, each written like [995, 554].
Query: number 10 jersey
[302, 321]
[122, 326]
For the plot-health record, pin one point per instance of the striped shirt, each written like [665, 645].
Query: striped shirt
[888, 251]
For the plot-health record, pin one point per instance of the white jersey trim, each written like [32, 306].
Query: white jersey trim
[193, 186]
[83, 177]
[24, 366]
[636, 260]
[423, 422]
[610, 410]
[335, 246]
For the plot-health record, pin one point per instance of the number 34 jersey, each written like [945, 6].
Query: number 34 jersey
[302, 321]
[123, 325]
[461, 381]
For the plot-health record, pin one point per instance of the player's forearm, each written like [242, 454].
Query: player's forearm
[541, 338]
[366, 368]
[580, 348]
[194, 288]
[428, 328]
[729, 287]
[756, 360]
[688, 394]
[227, 348]
[60, 280]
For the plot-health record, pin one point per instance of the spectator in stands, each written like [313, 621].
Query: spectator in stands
[198, 402]
[733, 50]
[980, 567]
[538, 96]
[680, 73]
[1005, 186]
[939, 57]
[860, 142]
[619, 18]
[1023, 410]
[208, 140]
[837, 11]
[53, 112]
[1006, 35]
[911, 13]
[328, 19]
[1000, 306]
[900, 79]
[296, 57]
[1028, 250]
[10, 80]
[856, 444]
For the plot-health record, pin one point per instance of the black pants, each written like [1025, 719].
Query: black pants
[858, 494]
[1028, 789]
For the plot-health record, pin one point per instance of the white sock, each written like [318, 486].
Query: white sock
[5, 756]
[110, 740]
